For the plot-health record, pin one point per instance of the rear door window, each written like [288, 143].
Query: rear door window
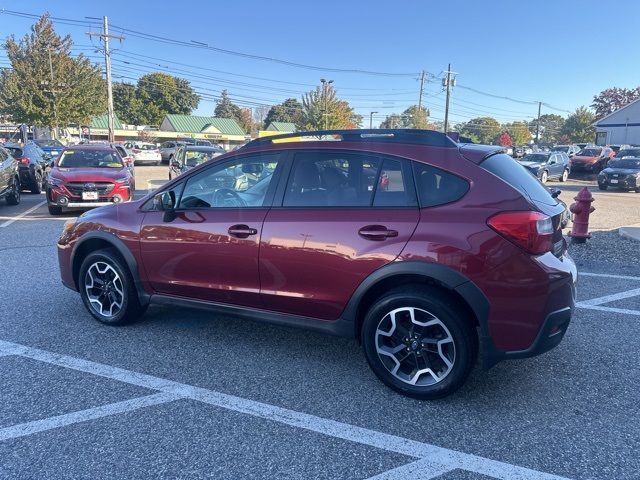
[507, 169]
[437, 187]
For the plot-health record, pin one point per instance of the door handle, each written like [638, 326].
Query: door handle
[241, 231]
[377, 232]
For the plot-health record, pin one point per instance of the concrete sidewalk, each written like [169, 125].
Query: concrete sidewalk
[630, 231]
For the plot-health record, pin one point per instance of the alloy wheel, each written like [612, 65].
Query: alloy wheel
[415, 346]
[565, 175]
[104, 288]
[544, 177]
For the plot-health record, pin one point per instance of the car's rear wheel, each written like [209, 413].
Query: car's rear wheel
[602, 187]
[36, 185]
[419, 342]
[14, 196]
[544, 176]
[108, 290]
[565, 175]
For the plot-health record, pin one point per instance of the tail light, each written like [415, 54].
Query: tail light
[532, 231]
[24, 160]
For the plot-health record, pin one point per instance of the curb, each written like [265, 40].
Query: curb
[631, 232]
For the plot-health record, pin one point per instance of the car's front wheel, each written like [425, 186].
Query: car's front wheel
[108, 290]
[419, 342]
[544, 176]
[13, 198]
[37, 184]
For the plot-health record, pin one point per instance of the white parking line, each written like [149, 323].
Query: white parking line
[449, 459]
[608, 275]
[610, 309]
[50, 423]
[23, 214]
[610, 298]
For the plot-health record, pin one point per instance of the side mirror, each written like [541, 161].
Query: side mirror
[166, 202]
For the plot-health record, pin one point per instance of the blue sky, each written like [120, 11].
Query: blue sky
[558, 52]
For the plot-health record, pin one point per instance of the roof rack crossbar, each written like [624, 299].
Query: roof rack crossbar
[384, 135]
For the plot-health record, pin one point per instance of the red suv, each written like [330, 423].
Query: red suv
[88, 176]
[592, 159]
[421, 248]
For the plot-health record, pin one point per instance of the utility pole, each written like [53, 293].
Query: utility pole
[325, 103]
[371, 120]
[107, 62]
[447, 82]
[538, 124]
[421, 89]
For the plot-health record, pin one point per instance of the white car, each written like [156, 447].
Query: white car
[146, 153]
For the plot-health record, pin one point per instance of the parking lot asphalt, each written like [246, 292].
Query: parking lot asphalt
[185, 394]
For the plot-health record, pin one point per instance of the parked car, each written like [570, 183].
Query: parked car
[33, 165]
[88, 176]
[188, 157]
[406, 270]
[168, 150]
[622, 173]
[9, 178]
[627, 151]
[583, 145]
[617, 148]
[146, 153]
[591, 159]
[547, 165]
[50, 146]
[126, 155]
[570, 150]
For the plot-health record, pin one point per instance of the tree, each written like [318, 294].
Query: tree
[578, 126]
[46, 86]
[550, 127]
[392, 121]
[519, 132]
[322, 108]
[246, 120]
[505, 140]
[162, 94]
[289, 111]
[612, 99]
[126, 103]
[412, 117]
[225, 108]
[481, 129]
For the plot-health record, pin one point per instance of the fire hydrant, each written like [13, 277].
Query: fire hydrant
[581, 210]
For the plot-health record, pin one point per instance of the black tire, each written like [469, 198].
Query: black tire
[13, 198]
[602, 187]
[37, 184]
[637, 190]
[54, 210]
[456, 320]
[564, 176]
[544, 176]
[131, 309]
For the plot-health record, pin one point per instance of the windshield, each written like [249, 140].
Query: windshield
[193, 159]
[631, 152]
[90, 159]
[626, 163]
[590, 152]
[49, 143]
[535, 157]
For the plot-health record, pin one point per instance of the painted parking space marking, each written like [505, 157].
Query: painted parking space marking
[437, 457]
[610, 309]
[36, 426]
[418, 470]
[608, 275]
[610, 298]
[23, 214]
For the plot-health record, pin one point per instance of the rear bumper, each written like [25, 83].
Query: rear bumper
[625, 184]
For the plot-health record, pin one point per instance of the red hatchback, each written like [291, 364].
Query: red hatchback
[88, 176]
[421, 248]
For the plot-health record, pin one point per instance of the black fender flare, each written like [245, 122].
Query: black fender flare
[122, 249]
[445, 276]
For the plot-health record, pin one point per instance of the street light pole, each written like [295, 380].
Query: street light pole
[371, 120]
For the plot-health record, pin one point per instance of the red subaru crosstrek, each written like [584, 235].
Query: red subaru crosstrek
[458, 248]
[88, 176]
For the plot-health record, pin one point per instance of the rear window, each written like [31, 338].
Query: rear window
[146, 146]
[507, 169]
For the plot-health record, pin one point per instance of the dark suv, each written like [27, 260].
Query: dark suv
[9, 178]
[421, 248]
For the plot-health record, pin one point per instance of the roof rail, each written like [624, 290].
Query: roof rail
[384, 135]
